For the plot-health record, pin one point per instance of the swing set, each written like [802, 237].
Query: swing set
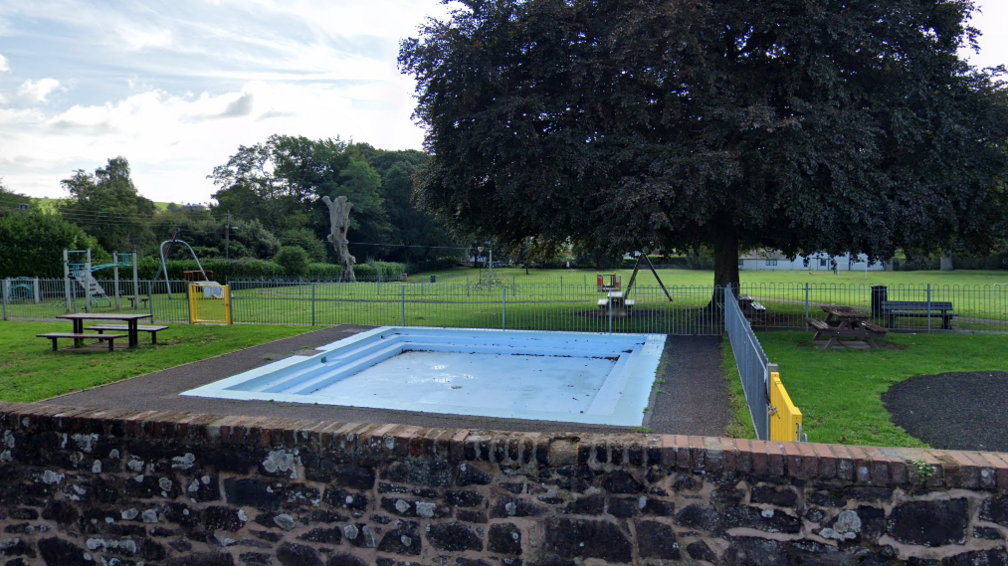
[617, 302]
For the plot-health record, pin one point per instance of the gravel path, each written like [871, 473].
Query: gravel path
[694, 397]
[953, 411]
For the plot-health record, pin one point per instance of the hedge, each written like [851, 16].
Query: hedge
[237, 269]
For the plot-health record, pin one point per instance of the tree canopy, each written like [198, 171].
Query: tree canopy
[416, 234]
[802, 125]
[107, 206]
[282, 181]
[33, 243]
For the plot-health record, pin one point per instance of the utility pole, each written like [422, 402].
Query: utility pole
[227, 237]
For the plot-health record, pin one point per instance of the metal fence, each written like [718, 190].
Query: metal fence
[450, 304]
[751, 361]
[571, 303]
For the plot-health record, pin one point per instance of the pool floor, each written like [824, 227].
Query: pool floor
[553, 376]
[533, 383]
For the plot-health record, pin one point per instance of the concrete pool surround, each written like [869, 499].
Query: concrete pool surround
[549, 376]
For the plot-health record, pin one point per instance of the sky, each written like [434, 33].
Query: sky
[176, 86]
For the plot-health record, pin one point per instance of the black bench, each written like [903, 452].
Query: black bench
[891, 310]
[54, 336]
[153, 330]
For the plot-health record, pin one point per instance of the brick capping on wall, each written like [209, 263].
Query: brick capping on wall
[73, 483]
[856, 465]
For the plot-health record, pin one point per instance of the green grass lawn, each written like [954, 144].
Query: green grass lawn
[30, 371]
[839, 391]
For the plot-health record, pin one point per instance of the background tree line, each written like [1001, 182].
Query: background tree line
[268, 198]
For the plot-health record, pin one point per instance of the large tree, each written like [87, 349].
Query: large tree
[281, 183]
[416, 234]
[802, 125]
[107, 206]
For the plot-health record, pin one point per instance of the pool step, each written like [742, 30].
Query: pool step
[338, 373]
[312, 366]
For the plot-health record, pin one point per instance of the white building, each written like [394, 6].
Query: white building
[774, 261]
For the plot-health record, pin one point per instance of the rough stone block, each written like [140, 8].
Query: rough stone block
[505, 538]
[454, 537]
[930, 523]
[657, 540]
[580, 538]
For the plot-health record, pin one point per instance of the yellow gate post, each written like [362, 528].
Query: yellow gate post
[209, 304]
[785, 418]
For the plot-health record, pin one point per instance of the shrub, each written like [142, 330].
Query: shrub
[365, 271]
[293, 260]
[324, 272]
[387, 270]
[32, 244]
[223, 270]
[306, 240]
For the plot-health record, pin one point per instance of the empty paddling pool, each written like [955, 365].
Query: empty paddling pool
[550, 376]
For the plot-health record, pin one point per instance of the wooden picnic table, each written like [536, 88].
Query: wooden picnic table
[845, 322]
[131, 320]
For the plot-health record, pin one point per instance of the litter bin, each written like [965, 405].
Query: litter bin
[433, 278]
[879, 294]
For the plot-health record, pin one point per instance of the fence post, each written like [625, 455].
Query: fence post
[87, 283]
[403, 318]
[609, 297]
[313, 303]
[503, 308]
[5, 292]
[771, 369]
[806, 306]
[150, 299]
[929, 307]
[35, 291]
[66, 281]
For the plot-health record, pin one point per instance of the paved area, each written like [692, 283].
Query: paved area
[953, 411]
[693, 400]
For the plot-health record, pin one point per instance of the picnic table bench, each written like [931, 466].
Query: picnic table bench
[891, 310]
[845, 322]
[151, 329]
[752, 309]
[619, 304]
[131, 321]
[77, 337]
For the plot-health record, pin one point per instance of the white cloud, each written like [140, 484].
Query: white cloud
[137, 39]
[174, 142]
[37, 91]
[4, 65]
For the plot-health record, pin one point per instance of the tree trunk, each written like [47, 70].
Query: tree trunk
[726, 252]
[339, 218]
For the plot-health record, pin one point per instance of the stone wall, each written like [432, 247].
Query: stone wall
[83, 487]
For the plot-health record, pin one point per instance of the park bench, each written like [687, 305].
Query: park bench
[153, 330]
[752, 309]
[891, 310]
[54, 336]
